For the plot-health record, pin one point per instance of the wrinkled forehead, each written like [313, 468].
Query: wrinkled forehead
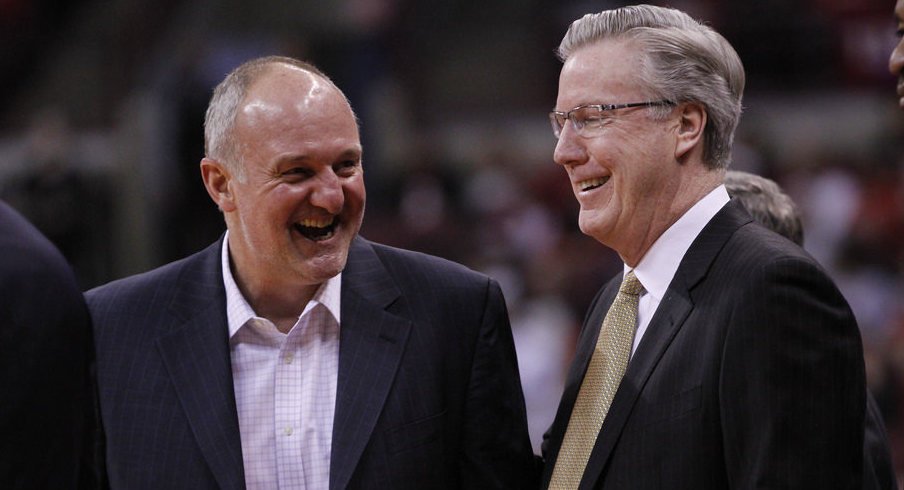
[602, 72]
[611, 59]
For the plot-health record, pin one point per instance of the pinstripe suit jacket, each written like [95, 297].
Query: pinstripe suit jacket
[750, 375]
[428, 391]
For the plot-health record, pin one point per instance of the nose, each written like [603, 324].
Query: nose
[570, 148]
[896, 60]
[327, 193]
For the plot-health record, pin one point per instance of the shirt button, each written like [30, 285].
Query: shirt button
[288, 359]
[288, 431]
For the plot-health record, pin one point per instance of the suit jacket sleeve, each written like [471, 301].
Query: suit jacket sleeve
[496, 451]
[792, 387]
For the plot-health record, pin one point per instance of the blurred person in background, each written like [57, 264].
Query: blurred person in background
[766, 203]
[727, 358]
[292, 353]
[47, 407]
[772, 208]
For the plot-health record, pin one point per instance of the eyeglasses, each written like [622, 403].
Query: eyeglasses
[586, 119]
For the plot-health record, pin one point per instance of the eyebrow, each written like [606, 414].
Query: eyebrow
[356, 152]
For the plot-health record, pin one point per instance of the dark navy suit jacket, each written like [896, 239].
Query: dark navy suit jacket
[46, 395]
[428, 390]
[750, 375]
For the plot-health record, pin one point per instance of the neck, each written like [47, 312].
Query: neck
[280, 303]
[690, 193]
[281, 309]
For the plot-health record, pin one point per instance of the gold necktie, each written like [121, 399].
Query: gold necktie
[604, 374]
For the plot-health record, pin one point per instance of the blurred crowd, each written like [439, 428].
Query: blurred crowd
[101, 132]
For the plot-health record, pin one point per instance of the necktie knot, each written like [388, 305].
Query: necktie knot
[631, 285]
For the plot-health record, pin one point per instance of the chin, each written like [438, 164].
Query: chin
[322, 268]
[595, 227]
[590, 222]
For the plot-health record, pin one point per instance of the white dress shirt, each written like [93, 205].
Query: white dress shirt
[285, 388]
[657, 268]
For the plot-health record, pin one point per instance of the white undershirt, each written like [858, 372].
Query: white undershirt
[285, 388]
[657, 268]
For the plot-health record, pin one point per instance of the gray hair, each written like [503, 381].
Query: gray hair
[224, 106]
[766, 202]
[684, 61]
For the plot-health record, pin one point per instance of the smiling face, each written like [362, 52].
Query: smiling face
[635, 175]
[625, 176]
[896, 60]
[300, 201]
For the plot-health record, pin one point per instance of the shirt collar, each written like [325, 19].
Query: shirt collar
[238, 311]
[657, 268]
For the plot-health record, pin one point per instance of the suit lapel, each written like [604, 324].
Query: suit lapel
[675, 307]
[195, 350]
[666, 322]
[372, 342]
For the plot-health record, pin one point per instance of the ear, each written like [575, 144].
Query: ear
[218, 182]
[691, 121]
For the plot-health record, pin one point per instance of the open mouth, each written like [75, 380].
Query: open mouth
[317, 229]
[589, 184]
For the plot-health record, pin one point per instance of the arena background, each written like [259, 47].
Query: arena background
[102, 102]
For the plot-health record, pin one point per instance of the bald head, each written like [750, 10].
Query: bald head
[230, 98]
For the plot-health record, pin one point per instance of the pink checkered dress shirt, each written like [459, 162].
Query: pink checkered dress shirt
[285, 388]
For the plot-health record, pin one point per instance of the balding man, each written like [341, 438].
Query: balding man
[293, 353]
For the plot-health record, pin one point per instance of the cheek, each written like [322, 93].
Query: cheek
[355, 194]
[285, 198]
[273, 210]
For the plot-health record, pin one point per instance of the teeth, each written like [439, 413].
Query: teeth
[316, 223]
[316, 229]
[591, 183]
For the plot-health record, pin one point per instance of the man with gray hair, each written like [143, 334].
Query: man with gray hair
[723, 356]
[293, 353]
